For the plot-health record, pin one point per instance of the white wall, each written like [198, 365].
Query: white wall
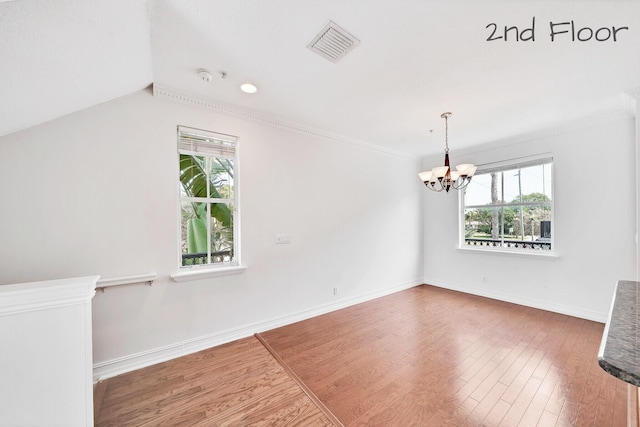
[95, 192]
[595, 225]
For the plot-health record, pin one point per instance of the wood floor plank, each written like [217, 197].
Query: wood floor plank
[522, 379]
[525, 401]
[497, 413]
[547, 420]
[487, 403]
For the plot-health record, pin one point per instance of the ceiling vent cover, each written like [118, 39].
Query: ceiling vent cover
[333, 42]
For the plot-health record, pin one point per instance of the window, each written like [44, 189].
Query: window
[208, 232]
[509, 207]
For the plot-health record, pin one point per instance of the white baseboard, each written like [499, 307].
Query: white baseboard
[529, 302]
[121, 365]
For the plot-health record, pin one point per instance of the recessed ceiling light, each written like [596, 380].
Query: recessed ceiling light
[248, 88]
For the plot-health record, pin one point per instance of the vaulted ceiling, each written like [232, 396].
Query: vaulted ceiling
[415, 60]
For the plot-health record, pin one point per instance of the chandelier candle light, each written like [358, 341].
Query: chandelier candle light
[442, 177]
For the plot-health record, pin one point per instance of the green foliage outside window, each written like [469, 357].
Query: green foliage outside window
[207, 197]
[510, 204]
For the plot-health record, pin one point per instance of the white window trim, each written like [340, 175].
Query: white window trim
[501, 166]
[199, 272]
[207, 272]
[516, 252]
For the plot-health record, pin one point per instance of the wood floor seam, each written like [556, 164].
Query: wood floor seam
[300, 383]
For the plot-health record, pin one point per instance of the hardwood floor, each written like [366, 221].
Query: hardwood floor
[434, 357]
[237, 384]
[422, 357]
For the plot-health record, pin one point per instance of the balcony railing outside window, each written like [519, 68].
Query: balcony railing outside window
[201, 258]
[544, 245]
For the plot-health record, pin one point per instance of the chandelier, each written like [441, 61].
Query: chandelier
[442, 177]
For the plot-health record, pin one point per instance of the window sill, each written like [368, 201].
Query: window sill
[206, 273]
[519, 253]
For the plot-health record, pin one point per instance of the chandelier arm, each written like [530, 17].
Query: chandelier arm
[446, 179]
[432, 187]
[463, 183]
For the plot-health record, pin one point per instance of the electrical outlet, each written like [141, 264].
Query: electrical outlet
[283, 239]
[484, 280]
[335, 291]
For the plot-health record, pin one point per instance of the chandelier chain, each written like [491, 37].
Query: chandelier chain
[446, 116]
[446, 133]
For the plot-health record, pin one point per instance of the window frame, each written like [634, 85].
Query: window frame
[228, 148]
[502, 166]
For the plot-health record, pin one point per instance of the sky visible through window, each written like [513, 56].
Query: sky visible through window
[533, 179]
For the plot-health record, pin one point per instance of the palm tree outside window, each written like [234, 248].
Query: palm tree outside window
[208, 163]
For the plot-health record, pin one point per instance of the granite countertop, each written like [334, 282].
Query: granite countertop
[619, 352]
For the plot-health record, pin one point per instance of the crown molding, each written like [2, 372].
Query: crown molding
[253, 116]
[624, 111]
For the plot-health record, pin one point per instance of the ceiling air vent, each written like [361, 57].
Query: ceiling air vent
[333, 42]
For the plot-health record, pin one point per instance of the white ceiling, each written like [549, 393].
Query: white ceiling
[416, 59]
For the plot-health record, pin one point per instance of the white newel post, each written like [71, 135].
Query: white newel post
[46, 353]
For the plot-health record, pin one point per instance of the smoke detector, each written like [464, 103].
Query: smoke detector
[333, 42]
[204, 75]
